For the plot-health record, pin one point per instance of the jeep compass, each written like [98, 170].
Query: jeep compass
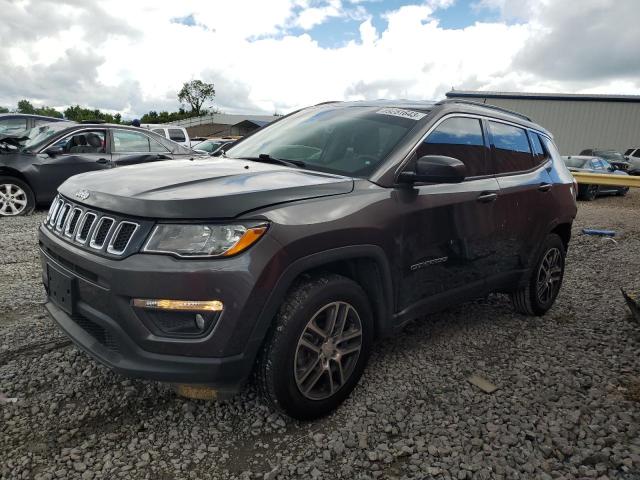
[287, 256]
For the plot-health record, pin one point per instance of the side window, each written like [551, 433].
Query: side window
[177, 135]
[130, 142]
[460, 138]
[597, 164]
[156, 146]
[12, 125]
[159, 131]
[511, 148]
[85, 141]
[540, 156]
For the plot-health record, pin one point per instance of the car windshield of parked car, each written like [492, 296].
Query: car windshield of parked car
[37, 136]
[610, 155]
[207, 146]
[345, 140]
[575, 162]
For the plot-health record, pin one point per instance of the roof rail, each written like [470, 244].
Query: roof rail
[485, 105]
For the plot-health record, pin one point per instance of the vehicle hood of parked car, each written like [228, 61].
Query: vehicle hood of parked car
[202, 188]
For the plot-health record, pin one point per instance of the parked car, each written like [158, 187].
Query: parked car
[31, 173]
[590, 164]
[310, 238]
[211, 145]
[17, 123]
[176, 134]
[632, 156]
[612, 156]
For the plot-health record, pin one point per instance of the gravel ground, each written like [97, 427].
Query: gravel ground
[567, 404]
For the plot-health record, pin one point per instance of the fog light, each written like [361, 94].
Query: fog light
[179, 305]
[199, 321]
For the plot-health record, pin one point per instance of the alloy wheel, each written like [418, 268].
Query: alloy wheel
[549, 276]
[328, 350]
[13, 199]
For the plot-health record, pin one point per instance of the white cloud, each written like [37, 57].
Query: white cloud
[133, 55]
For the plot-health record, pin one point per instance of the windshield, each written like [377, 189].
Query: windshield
[40, 134]
[574, 162]
[207, 146]
[335, 139]
[610, 155]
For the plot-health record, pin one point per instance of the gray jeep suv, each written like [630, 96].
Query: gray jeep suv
[289, 255]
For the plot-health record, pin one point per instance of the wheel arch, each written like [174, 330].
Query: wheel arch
[11, 172]
[366, 264]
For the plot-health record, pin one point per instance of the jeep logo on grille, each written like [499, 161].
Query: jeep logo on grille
[82, 194]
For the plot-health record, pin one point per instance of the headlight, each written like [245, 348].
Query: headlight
[202, 240]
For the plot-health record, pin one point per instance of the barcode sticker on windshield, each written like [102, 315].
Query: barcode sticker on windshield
[401, 112]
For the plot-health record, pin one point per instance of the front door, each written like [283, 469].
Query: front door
[449, 230]
[79, 152]
[131, 147]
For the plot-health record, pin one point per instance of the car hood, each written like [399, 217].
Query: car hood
[201, 188]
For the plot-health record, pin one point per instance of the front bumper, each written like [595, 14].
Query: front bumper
[103, 323]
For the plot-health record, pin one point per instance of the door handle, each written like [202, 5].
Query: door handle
[544, 187]
[486, 197]
[102, 161]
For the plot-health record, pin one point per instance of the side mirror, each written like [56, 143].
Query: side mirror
[53, 151]
[436, 169]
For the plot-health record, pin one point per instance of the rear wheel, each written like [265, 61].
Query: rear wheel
[590, 193]
[318, 348]
[16, 198]
[545, 280]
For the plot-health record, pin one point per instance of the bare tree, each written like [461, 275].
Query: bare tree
[196, 93]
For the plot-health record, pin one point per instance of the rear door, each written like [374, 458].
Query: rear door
[449, 230]
[131, 147]
[526, 192]
[80, 151]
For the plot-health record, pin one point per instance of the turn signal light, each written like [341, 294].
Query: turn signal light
[251, 236]
[179, 305]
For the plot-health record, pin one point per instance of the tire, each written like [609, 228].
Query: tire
[529, 300]
[16, 197]
[590, 193]
[298, 372]
[623, 191]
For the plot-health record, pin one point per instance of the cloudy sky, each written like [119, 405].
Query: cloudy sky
[263, 56]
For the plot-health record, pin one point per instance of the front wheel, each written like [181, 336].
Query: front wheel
[318, 348]
[623, 191]
[590, 192]
[16, 197]
[544, 283]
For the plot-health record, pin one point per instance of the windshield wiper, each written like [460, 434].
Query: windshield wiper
[266, 158]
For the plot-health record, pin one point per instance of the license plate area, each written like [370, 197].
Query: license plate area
[61, 289]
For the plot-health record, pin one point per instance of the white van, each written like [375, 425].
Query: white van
[172, 132]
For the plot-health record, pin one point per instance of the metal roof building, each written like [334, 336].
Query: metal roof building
[576, 121]
[221, 124]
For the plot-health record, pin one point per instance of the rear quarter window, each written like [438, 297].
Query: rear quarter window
[177, 135]
[511, 149]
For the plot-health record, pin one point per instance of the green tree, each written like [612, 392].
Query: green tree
[196, 93]
[4, 110]
[25, 106]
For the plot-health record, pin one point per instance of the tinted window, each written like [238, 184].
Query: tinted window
[130, 142]
[540, 156]
[177, 135]
[629, 152]
[12, 125]
[85, 141]
[350, 140]
[156, 146]
[459, 138]
[512, 151]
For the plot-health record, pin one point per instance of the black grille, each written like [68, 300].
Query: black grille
[123, 236]
[86, 227]
[75, 216]
[62, 217]
[101, 234]
[92, 229]
[102, 335]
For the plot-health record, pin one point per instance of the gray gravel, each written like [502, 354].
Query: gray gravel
[567, 404]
